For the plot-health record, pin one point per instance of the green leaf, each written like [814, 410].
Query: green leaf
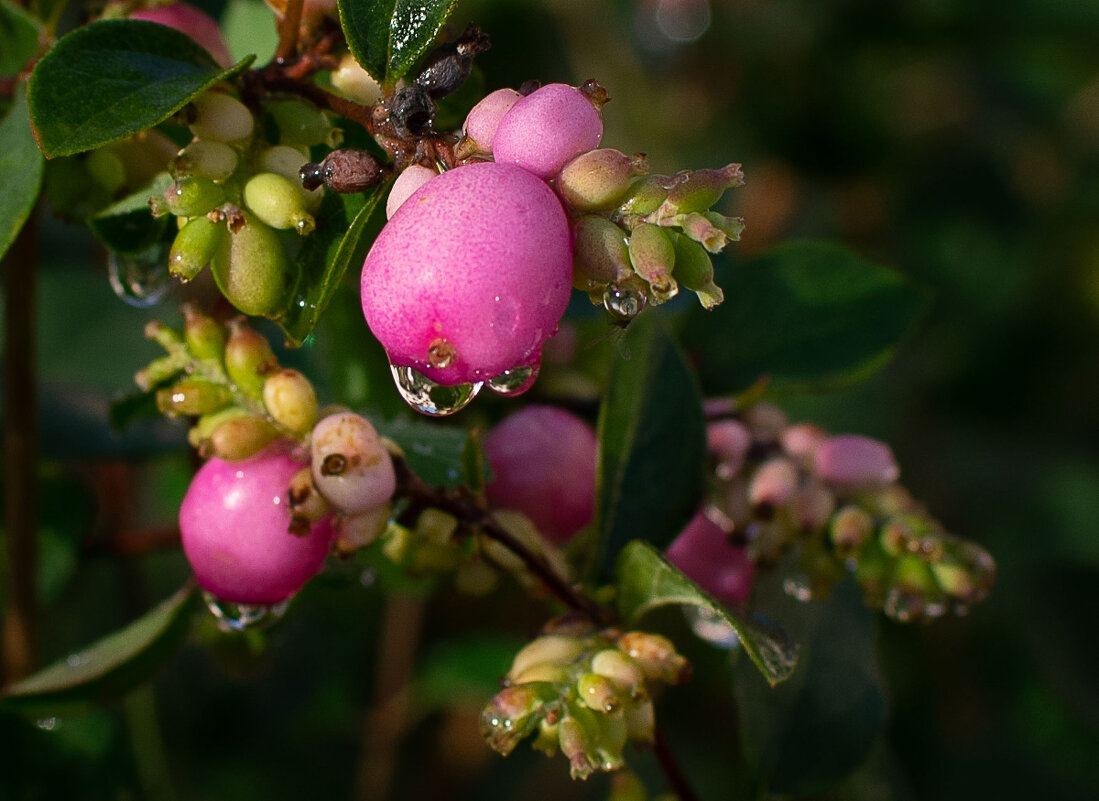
[813, 731]
[128, 226]
[21, 166]
[109, 667]
[647, 581]
[437, 454]
[20, 33]
[805, 314]
[388, 37]
[325, 256]
[462, 674]
[114, 78]
[652, 444]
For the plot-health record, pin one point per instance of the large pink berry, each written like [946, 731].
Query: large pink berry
[546, 129]
[471, 275]
[192, 21]
[235, 523]
[705, 555]
[543, 465]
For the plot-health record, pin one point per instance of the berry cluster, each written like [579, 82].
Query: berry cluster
[832, 504]
[585, 691]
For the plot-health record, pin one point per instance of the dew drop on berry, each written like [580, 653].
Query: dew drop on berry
[141, 280]
[623, 302]
[515, 381]
[427, 397]
[242, 617]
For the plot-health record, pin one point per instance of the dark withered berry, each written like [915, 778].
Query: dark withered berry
[344, 170]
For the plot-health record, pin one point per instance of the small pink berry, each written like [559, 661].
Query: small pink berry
[543, 463]
[483, 119]
[855, 461]
[235, 522]
[801, 441]
[546, 129]
[471, 275]
[192, 21]
[705, 555]
[775, 482]
[728, 441]
[410, 179]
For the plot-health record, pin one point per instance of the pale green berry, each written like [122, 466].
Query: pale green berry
[194, 246]
[240, 437]
[287, 161]
[207, 158]
[189, 197]
[301, 124]
[248, 358]
[278, 202]
[205, 336]
[553, 648]
[290, 400]
[652, 254]
[694, 270]
[598, 179]
[252, 270]
[600, 255]
[192, 396]
[221, 118]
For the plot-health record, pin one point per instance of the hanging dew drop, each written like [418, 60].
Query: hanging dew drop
[47, 724]
[141, 280]
[242, 617]
[428, 397]
[515, 381]
[709, 626]
[797, 586]
[623, 301]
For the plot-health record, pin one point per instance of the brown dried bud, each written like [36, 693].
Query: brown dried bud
[345, 170]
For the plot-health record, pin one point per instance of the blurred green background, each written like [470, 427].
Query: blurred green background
[954, 140]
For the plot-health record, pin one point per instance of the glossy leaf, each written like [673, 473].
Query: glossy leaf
[652, 444]
[325, 256]
[21, 165]
[647, 581]
[19, 36]
[109, 667]
[128, 226]
[388, 37]
[437, 454]
[805, 313]
[114, 78]
[813, 731]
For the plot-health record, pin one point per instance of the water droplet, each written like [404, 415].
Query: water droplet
[47, 724]
[515, 381]
[141, 280]
[797, 586]
[710, 627]
[240, 617]
[75, 661]
[624, 302]
[424, 395]
[441, 353]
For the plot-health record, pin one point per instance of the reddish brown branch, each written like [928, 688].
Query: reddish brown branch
[289, 27]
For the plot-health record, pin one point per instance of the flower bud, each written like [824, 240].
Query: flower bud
[277, 202]
[552, 648]
[598, 179]
[600, 254]
[697, 227]
[698, 190]
[194, 247]
[290, 400]
[597, 692]
[248, 358]
[966, 571]
[188, 198]
[362, 529]
[240, 437]
[252, 270]
[221, 118]
[656, 655]
[855, 462]
[849, 528]
[207, 159]
[542, 672]
[652, 254]
[620, 669]
[913, 592]
[351, 466]
[577, 742]
[645, 196]
[694, 270]
[774, 483]
[192, 396]
[205, 336]
[513, 713]
[732, 227]
[899, 534]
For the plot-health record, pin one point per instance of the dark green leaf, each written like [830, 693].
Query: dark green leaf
[109, 667]
[113, 78]
[646, 581]
[337, 243]
[813, 731]
[128, 226]
[652, 444]
[388, 37]
[20, 33]
[805, 313]
[435, 453]
[21, 167]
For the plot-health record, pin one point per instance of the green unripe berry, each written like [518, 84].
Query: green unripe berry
[199, 435]
[221, 118]
[360, 530]
[290, 400]
[598, 179]
[248, 358]
[620, 669]
[600, 254]
[287, 161]
[205, 336]
[277, 202]
[205, 158]
[645, 195]
[192, 397]
[695, 271]
[106, 168]
[652, 254]
[194, 246]
[697, 190]
[301, 125]
[541, 671]
[252, 270]
[849, 528]
[598, 692]
[656, 656]
[240, 437]
[190, 197]
[555, 648]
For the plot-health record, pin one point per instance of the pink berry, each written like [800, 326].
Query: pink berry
[484, 118]
[705, 555]
[235, 523]
[410, 179]
[729, 442]
[546, 129]
[192, 21]
[543, 464]
[855, 461]
[471, 275]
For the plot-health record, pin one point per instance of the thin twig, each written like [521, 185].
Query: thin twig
[289, 26]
